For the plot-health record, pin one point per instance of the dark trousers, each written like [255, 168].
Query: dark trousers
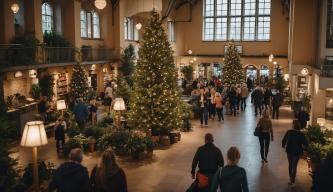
[233, 106]
[238, 102]
[293, 161]
[81, 124]
[203, 113]
[212, 111]
[264, 140]
[276, 111]
[60, 143]
[243, 103]
[256, 108]
[220, 113]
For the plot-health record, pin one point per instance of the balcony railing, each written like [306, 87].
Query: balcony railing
[17, 55]
[97, 54]
[326, 70]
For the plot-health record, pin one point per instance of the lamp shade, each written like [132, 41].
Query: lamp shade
[321, 121]
[100, 4]
[15, 7]
[119, 104]
[34, 134]
[61, 105]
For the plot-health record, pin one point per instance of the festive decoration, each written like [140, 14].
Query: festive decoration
[155, 100]
[46, 84]
[123, 90]
[79, 81]
[233, 72]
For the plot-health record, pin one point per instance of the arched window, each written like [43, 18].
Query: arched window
[47, 17]
[96, 28]
[83, 19]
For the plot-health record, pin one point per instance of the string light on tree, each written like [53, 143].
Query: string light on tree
[233, 71]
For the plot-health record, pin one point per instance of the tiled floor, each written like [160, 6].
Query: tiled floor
[169, 170]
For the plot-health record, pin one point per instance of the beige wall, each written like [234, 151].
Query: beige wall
[189, 34]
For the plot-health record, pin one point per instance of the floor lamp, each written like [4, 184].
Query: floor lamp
[119, 105]
[34, 135]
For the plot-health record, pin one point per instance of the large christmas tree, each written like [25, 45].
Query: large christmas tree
[79, 82]
[155, 100]
[233, 72]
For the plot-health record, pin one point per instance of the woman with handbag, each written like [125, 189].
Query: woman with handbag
[231, 178]
[264, 131]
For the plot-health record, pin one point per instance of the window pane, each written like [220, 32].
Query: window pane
[171, 31]
[236, 7]
[264, 7]
[47, 17]
[125, 28]
[221, 7]
[249, 28]
[235, 28]
[97, 33]
[221, 29]
[209, 8]
[263, 28]
[83, 24]
[249, 7]
[89, 25]
[208, 29]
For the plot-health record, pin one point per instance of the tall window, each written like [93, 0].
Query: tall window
[47, 17]
[90, 25]
[240, 20]
[130, 31]
[171, 31]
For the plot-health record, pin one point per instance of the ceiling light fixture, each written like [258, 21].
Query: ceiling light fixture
[100, 4]
[15, 8]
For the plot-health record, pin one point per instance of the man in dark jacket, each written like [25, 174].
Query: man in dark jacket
[303, 117]
[257, 96]
[59, 133]
[208, 158]
[71, 176]
[276, 103]
[203, 106]
[81, 113]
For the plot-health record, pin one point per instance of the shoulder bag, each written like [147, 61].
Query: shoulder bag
[257, 131]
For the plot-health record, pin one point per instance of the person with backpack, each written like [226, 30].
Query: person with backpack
[265, 134]
[208, 158]
[231, 178]
[294, 141]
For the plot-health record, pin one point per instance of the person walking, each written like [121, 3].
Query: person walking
[219, 106]
[59, 133]
[212, 108]
[208, 158]
[108, 96]
[93, 112]
[303, 118]
[276, 103]
[239, 97]
[203, 107]
[81, 113]
[231, 178]
[71, 176]
[108, 176]
[265, 129]
[232, 96]
[244, 94]
[294, 142]
[257, 96]
[267, 98]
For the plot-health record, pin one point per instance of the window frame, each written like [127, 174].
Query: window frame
[229, 17]
[171, 32]
[89, 25]
[44, 15]
[130, 31]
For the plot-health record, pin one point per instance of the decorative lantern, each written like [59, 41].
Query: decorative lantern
[100, 4]
[18, 74]
[32, 73]
[138, 26]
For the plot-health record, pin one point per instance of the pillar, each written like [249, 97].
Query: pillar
[33, 18]
[7, 30]
[71, 22]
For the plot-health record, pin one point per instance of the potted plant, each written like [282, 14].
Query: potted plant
[35, 92]
[150, 145]
[164, 137]
[136, 147]
[93, 133]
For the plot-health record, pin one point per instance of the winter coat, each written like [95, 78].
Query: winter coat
[294, 141]
[303, 117]
[277, 100]
[244, 92]
[205, 101]
[257, 96]
[232, 179]
[232, 95]
[219, 102]
[70, 177]
[209, 158]
[114, 182]
[59, 133]
[81, 112]
[267, 97]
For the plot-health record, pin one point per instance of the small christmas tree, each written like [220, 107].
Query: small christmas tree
[233, 72]
[123, 90]
[127, 65]
[79, 82]
[155, 100]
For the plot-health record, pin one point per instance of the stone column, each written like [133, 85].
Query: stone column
[33, 18]
[7, 30]
[71, 22]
